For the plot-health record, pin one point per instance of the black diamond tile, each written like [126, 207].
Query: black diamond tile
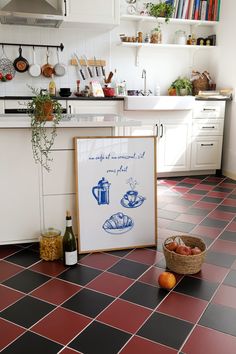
[212, 200]
[197, 211]
[80, 274]
[165, 214]
[88, 302]
[221, 318]
[30, 343]
[227, 208]
[128, 269]
[228, 235]
[144, 294]
[214, 223]
[27, 311]
[26, 281]
[198, 191]
[231, 278]
[24, 258]
[195, 287]
[222, 189]
[100, 339]
[120, 253]
[166, 330]
[181, 226]
[220, 259]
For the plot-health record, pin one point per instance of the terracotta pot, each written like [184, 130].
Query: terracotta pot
[109, 91]
[44, 111]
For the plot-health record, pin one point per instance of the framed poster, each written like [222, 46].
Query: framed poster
[115, 192]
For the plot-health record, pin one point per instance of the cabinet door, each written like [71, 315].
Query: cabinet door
[19, 188]
[95, 107]
[93, 12]
[144, 130]
[206, 153]
[174, 145]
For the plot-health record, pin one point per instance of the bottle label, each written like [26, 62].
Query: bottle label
[69, 223]
[71, 258]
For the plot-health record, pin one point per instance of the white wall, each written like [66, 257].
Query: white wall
[226, 77]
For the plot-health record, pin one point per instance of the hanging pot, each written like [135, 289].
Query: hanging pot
[47, 69]
[59, 68]
[21, 64]
[34, 69]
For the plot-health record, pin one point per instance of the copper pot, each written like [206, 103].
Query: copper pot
[47, 69]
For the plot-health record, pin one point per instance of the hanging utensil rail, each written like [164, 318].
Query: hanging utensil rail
[61, 46]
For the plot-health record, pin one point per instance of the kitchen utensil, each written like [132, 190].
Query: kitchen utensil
[34, 69]
[6, 66]
[59, 68]
[96, 67]
[21, 64]
[79, 66]
[108, 80]
[87, 66]
[47, 69]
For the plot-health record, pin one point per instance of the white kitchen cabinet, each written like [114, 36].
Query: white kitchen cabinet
[206, 153]
[95, 107]
[19, 188]
[102, 12]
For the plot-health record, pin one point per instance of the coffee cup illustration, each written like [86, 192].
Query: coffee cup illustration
[131, 197]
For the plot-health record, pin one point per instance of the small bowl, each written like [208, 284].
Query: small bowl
[65, 93]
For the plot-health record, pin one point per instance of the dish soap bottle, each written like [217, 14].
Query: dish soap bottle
[52, 87]
[70, 255]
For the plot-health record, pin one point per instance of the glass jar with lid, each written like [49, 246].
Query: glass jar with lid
[180, 37]
[50, 244]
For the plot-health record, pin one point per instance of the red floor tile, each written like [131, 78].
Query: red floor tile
[212, 272]
[9, 332]
[192, 196]
[61, 325]
[139, 345]
[184, 307]
[204, 187]
[168, 182]
[209, 341]
[49, 268]
[124, 315]
[192, 219]
[211, 232]
[163, 223]
[232, 226]
[7, 270]
[222, 215]
[180, 190]
[69, 351]
[192, 180]
[228, 185]
[7, 250]
[151, 276]
[8, 297]
[217, 194]
[226, 296]
[230, 202]
[111, 284]
[55, 291]
[101, 261]
[144, 256]
[205, 205]
[224, 246]
[177, 208]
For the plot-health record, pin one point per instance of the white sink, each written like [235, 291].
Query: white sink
[166, 103]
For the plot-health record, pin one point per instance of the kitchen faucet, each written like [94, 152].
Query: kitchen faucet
[144, 92]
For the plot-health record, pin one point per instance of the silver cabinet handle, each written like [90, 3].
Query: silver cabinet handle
[156, 130]
[65, 14]
[207, 144]
[208, 127]
[209, 109]
[161, 134]
[69, 109]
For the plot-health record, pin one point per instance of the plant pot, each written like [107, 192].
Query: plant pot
[44, 111]
[183, 92]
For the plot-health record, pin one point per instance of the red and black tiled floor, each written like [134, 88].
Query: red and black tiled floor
[110, 302]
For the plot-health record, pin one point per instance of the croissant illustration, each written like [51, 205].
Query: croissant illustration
[118, 223]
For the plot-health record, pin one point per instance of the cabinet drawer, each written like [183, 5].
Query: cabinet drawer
[95, 107]
[207, 127]
[206, 153]
[210, 109]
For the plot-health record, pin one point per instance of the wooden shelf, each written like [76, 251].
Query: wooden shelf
[171, 46]
[174, 21]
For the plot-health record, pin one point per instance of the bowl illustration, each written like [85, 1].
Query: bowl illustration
[118, 223]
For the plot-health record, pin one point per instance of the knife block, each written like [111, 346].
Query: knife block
[91, 62]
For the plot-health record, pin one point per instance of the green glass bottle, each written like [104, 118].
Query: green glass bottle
[70, 255]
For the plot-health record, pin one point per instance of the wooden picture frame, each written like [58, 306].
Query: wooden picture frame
[116, 192]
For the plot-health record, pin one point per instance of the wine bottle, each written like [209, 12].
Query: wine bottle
[70, 254]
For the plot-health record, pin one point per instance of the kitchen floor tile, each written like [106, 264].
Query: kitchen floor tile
[183, 307]
[165, 214]
[24, 258]
[9, 332]
[29, 342]
[197, 191]
[214, 223]
[79, 274]
[166, 330]
[221, 318]
[211, 232]
[119, 253]
[110, 284]
[100, 339]
[211, 272]
[124, 315]
[224, 246]
[49, 268]
[195, 287]
[225, 295]
[185, 184]
[205, 205]
[231, 278]
[99, 260]
[231, 227]
[144, 295]
[128, 268]
[145, 256]
[56, 291]
[227, 208]
[192, 219]
[88, 302]
[181, 226]
[7, 250]
[26, 281]
[7, 270]
[69, 351]
[141, 345]
[51, 326]
[220, 259]
[197, 211]
[206, 340]
[8, 296]
[214, 200]
[27, 311]
[222, 215]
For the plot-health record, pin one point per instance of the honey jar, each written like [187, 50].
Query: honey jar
[50, 244]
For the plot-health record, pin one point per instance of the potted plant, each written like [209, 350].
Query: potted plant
[183, 86]
[41, 109]
[162, 9]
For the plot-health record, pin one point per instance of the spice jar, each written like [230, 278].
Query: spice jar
[180, 37]
[50, 244]
[156, 36]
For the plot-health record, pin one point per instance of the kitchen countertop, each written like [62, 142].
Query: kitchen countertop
[71, 98]
[70, 121]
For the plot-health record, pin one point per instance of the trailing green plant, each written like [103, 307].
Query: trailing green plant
[182, 83]
[162, 9]
[42, 137]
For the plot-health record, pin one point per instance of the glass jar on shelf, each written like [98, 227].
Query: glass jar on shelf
[180, 37]
[156, 36]
[50, 244]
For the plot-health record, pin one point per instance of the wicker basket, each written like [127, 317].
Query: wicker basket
[182, 264]
[200, 84]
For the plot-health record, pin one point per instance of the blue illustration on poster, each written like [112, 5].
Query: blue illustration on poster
[118, 223]
[101, 192]
[132, 199]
